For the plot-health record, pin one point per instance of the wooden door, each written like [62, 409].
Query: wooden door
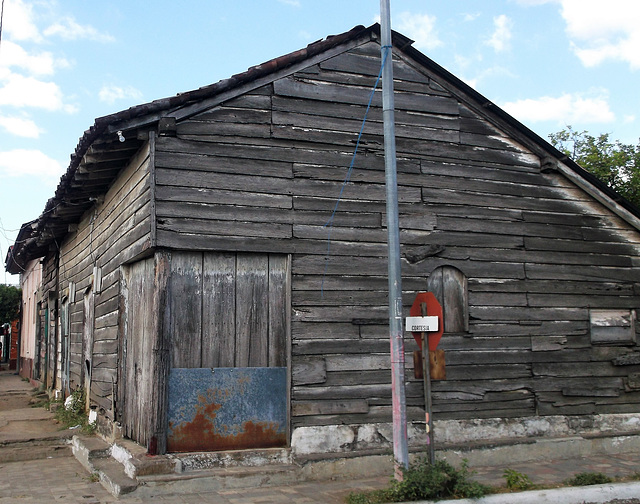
[229, 333]
[137, 351]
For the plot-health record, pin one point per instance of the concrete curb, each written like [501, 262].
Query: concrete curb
[596, 494]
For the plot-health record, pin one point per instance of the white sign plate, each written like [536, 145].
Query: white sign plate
[422, 324]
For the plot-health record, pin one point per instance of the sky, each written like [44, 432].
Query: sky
[64, 63]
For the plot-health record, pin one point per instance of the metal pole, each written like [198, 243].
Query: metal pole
[426, 374]
[400, 450]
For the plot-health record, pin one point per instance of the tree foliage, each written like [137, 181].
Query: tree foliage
[614, 163]
[10, 300]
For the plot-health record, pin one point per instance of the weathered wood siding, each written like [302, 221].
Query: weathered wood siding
[263, 172]
[228, 310]
[116, 231]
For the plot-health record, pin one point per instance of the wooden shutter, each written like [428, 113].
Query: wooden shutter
[449, 285]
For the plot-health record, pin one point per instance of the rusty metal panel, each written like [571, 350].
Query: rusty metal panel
[227, 409]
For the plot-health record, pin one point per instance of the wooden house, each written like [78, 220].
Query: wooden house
[192, 284]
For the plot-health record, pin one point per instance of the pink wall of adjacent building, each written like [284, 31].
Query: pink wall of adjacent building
[30, 281]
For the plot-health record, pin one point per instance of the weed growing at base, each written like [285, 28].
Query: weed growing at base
[588, 478]
[517, 480]
[425, 481]
[74, 414]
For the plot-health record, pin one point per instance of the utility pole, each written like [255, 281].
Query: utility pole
[400, 450]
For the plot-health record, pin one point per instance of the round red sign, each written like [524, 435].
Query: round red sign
[433, 310]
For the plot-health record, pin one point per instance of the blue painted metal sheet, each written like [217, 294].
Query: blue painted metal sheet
[227, 409]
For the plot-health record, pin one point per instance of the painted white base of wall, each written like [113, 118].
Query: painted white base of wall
[465, 431]
[349, 438]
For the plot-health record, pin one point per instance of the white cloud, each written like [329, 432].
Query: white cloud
[490, 73]
[42, 63]
[601, 31]
[22, 67]
[293, 3]
[110, 94]
[462, 62]
[535, 2]
[20, 126]
[565, 109]
[626, 50]
[18, 23]
[502, 33]
[69, 29]
[419, 27]
[23, 162]
[20, 91]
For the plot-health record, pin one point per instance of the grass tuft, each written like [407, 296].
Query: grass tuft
[516, 480]
[425, 481]
[588, 478]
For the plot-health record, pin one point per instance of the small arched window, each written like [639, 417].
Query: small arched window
[449, 285]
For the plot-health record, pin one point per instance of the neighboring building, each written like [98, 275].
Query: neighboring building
[32, 347]
[30, 282]
[189, 282]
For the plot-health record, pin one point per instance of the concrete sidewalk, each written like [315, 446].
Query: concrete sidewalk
[27, 432]
[36, 465]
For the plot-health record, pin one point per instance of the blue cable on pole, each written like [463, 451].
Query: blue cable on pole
[347, 178]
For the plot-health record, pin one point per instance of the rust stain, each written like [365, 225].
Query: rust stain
[201, 433]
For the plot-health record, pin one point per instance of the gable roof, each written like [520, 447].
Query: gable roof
[106, 147]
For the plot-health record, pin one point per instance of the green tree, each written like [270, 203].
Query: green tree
[614, 163]
[10, 300]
